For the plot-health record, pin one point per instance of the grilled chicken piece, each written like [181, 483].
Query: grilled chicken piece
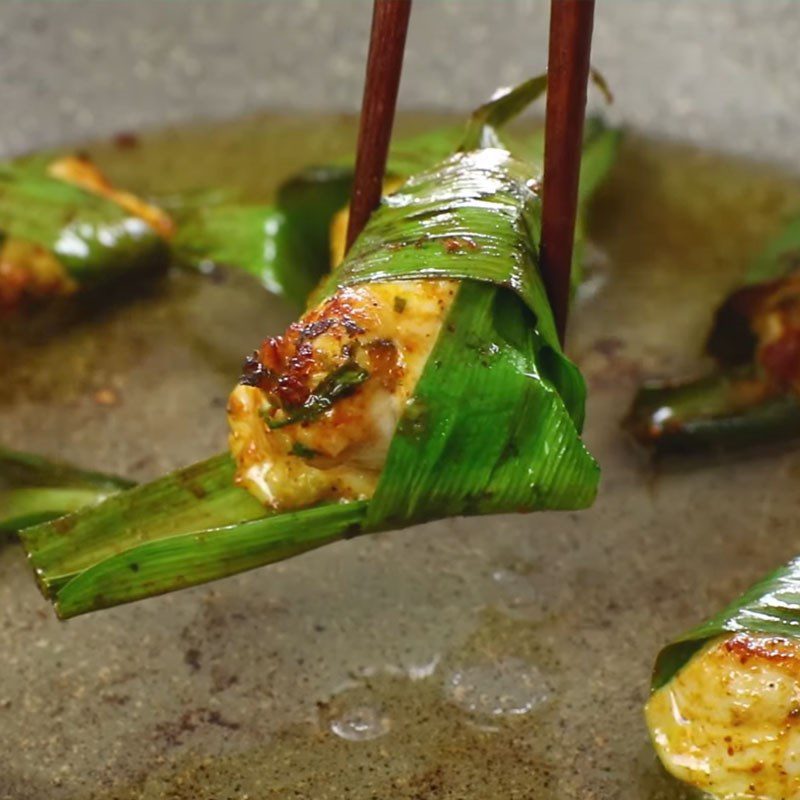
[729, 721]
[316, 409]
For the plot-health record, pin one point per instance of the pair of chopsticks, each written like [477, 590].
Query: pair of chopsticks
[568, 73]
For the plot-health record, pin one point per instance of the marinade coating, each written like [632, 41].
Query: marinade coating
[317, 408]
[729, 721]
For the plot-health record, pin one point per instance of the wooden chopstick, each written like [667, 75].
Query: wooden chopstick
[384, 65]
[567, 76]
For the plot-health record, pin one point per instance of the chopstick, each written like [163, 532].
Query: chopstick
[568, 73]
[567, 77]
[384, 65]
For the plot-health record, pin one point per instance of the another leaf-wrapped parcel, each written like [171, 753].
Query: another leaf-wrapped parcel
[491, 425]
[64, 227]
[752, 396]
[724, 711]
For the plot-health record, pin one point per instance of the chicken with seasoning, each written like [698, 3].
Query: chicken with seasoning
[724, 715]
[729, 722]
[315, 412]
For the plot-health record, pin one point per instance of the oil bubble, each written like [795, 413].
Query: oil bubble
[504, 688]
[361, 724]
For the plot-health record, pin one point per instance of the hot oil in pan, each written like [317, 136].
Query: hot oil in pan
[505, 657]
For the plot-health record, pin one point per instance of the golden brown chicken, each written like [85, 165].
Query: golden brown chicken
[729, 721]
[316, 409]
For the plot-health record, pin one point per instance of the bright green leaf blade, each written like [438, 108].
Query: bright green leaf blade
[196, 498]
[472, 216]
[285, 246]
[487, 432]
[256, 239]
[483, 127]
[310, 200]
[179, 561]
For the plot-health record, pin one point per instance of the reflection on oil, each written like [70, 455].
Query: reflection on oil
[355, 713]
[361, 724]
